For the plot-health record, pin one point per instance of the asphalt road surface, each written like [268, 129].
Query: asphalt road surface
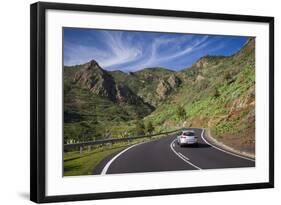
[165, 155]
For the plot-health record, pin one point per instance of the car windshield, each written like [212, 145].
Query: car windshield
[188, 134]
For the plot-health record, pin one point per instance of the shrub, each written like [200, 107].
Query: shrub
[149, 128]
[181, 113]
[140, 128]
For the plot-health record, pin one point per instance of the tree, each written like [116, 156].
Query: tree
[140, 128]
[181, 114]
[149, 127]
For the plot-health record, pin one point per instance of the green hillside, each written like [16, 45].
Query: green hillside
[90, 116]
[216, 93]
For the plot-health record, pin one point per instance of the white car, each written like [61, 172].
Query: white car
[187, 137]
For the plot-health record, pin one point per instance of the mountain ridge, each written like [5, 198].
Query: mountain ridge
[100, 82]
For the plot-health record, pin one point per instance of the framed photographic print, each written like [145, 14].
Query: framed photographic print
[129, 102]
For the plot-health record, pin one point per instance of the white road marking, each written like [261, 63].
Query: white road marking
[183, 158]
[174, 145]
[236, 155]
[106, 167]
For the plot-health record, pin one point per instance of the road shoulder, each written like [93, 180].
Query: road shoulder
[220, 145]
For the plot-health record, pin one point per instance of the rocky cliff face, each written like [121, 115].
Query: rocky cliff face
[125, 94]
[165, 88]
[151, 84]
[93, 77]
[174, 81]
[100, 82]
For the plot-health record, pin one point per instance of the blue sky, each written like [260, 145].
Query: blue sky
[132, 51]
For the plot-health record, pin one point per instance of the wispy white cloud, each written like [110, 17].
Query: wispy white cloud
[131, 51]
[121, 49]
[176, 50]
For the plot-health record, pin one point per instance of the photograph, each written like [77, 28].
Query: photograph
[145, 101]
[134, 102]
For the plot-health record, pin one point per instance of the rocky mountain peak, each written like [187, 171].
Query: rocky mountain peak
[202, 63]
[93, 77]
[100, 82]
[92, 63]
[94, 67]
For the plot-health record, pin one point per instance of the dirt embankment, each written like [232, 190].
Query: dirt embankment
[243, 140]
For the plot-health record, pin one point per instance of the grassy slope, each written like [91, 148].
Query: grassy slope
[83, 164]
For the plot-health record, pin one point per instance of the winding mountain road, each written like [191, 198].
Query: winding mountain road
[165, 155]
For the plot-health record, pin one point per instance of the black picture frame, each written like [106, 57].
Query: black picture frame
[38, 100]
